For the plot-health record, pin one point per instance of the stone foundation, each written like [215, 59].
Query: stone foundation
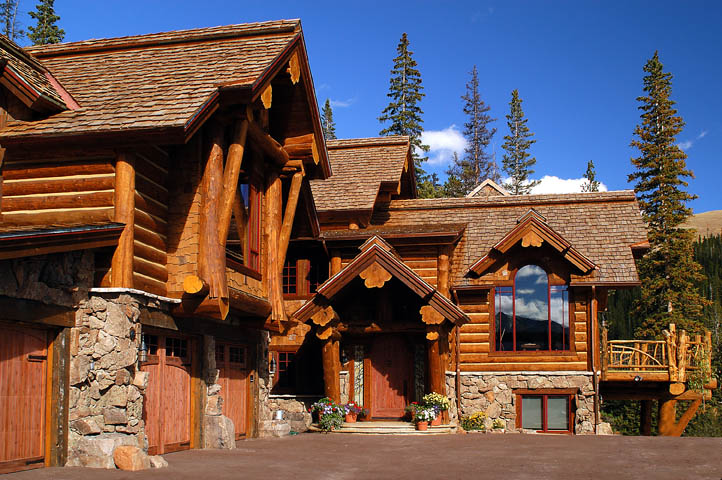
[218, 430]
[493, 394]
[106, 388]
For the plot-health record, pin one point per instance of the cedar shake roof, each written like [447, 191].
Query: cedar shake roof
[29, 79]
[155, 81]
[360, 167]
[601, 226]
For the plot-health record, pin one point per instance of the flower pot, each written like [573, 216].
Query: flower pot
[436, 421]
[422, 426]
[350, 418]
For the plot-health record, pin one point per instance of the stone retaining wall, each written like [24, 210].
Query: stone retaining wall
[493, 394]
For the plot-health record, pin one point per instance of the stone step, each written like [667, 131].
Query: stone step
[389, 428]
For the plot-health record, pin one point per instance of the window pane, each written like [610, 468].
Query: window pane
[558, 413]
[559, 308]
[531, 308]
[531, 413]
[503, 306]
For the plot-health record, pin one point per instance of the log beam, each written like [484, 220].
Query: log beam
[230, 179]
[335, 262]
[288, 218]
[267, 144]
[194, 285]
[669, 426]
[122, 261]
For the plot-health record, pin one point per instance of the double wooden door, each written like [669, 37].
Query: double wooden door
[167, 403]
[233, 379]
[23, 373]
[392, 366]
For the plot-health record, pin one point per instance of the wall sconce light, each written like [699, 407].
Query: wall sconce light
[637, 378]
[142, 350]
[272, 366]
[343, 356]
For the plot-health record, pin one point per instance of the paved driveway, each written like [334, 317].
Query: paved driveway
[511, 456]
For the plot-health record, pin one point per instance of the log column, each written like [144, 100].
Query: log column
[667, 417]
[121, 272]
[274, 270]
[331, 368]
[436, 369]
[335, 262]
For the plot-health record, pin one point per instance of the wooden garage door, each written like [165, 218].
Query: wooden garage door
[233, 379]
[23, 363]
[167, 404]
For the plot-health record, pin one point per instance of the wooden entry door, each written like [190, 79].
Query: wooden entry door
[233, 379]
[392, 366]
[167, 404]
[23, 364]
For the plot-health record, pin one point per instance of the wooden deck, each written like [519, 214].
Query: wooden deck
[673, 360]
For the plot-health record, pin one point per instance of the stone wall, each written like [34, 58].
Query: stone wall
[106, 388]
[493, 393]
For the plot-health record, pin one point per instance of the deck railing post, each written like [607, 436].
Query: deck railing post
[605, 353]
[682, 356]
[672, 352]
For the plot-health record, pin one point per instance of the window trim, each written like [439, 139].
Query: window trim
[493, 351]
[545, 393]
[275, 354]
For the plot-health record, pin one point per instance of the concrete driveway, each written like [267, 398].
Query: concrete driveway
[510, 456]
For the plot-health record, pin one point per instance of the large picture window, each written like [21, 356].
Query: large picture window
[531, 315]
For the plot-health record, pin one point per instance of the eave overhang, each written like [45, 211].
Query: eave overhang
[25, 243]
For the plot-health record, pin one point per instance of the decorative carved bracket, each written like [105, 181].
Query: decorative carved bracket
[375, 276]
[430, 316]
[294, 68]
[432, 332]
[531, 239]
[324, 317]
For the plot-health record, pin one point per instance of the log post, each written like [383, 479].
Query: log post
[605, 353]
[121, 270]
[443, 271]
[212, 257]
[230, 180]
[645, 418]
[267, 144]
[682, 356]
[672, 353]
[335, 262]
[435, 361]
[667, 417]
[274, 270]
[288, 217]
[331, 368]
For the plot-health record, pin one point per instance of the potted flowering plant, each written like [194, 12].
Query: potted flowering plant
[422, 417]
[411, 410]
[437, 401]
[351, 411]
[330, 415]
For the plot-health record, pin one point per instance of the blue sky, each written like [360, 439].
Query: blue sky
[577, 66]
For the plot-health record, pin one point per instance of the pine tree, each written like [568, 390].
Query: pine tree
[669, 272]
[477, 164]
[591, 185]
[517, 161]
[403, 111]
[454, 185]
[9, 19]
[45, 30]
[327, 123]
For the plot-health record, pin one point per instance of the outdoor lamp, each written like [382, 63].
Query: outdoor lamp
[142, 350]
[272, 366]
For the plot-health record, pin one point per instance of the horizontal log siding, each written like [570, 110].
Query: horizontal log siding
[422, 261]
[63, 192]
[475, 344]
[151, 223]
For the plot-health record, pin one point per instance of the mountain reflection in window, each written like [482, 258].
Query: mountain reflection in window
[531, 315]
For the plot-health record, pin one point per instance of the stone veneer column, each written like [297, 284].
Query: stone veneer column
[218, 430]
[106, 388]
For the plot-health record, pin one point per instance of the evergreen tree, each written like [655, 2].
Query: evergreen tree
[9, 19]
[327, 123]
[669, 272]
[477, 164]
[517, 161]
[454, 185]
[403, 111]
[591, 185]
[45, 30]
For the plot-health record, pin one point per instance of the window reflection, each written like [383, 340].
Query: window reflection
[532, 315]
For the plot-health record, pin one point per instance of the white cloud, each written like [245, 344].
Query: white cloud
[343, 103]
[687, 144]
[442, 144]
[553, 184]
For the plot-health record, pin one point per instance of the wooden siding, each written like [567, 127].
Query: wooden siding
[423, 261]
[64, 191]
[476, 353]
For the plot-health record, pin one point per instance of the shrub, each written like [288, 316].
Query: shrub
[475, 421]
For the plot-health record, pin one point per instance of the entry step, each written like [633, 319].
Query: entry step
[388, 428]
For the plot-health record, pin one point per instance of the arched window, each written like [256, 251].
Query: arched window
[531, 315]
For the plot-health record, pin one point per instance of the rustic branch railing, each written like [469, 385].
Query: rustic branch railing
[674, 357]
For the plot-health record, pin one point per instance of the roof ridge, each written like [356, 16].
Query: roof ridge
[166, 38]
[366, 141]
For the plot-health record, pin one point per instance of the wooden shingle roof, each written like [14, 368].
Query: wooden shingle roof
[601, 226]
[157, 81]
[360, 167]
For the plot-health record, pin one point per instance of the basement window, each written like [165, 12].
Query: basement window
[545, 413]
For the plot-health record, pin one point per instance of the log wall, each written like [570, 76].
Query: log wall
[64, 191]
[476, 337]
